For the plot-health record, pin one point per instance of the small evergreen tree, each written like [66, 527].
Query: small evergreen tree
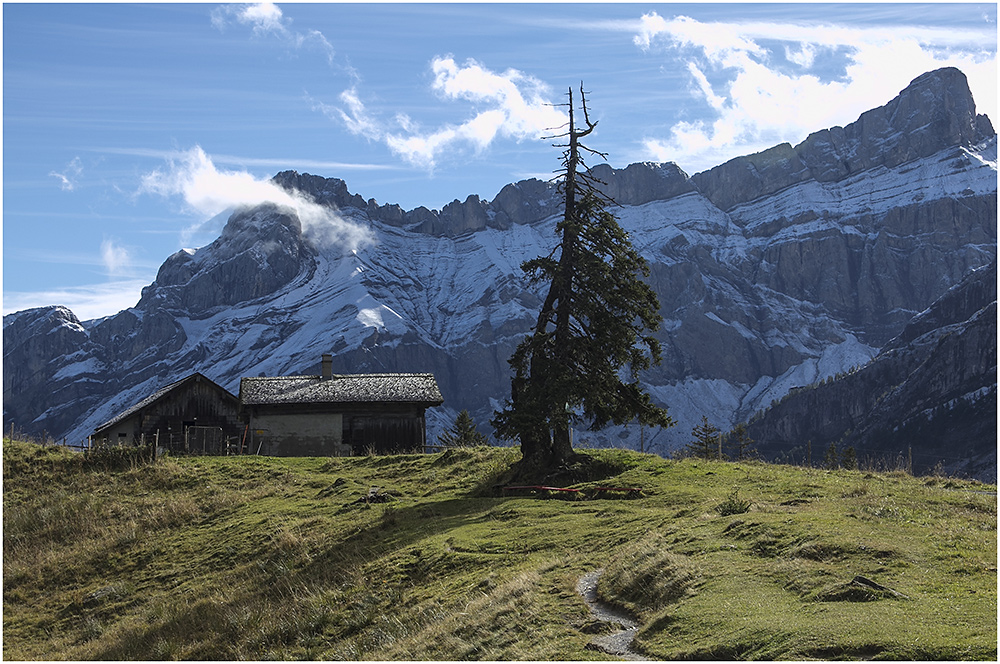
[831, 460]
[462, 433]
[741, 441]
[706, 440]
[849, 459]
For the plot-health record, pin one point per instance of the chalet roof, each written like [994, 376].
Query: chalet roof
[419, 388]
[159, 394]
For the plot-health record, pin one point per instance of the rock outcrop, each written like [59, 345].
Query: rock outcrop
[927, 399]
[935, 112]
[260, 250]
[49, 365]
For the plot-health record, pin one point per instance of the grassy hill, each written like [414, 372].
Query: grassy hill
[256, 558]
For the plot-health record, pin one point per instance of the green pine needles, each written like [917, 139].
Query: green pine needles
[462, 433]
[595, 325]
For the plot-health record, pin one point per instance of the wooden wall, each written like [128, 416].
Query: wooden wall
[196, 417]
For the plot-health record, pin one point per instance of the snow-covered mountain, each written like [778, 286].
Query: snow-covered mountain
[774, 270]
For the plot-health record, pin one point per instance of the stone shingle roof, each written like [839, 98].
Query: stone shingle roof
[342, 389]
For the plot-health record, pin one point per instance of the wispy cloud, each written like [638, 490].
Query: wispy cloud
[208, 191]
[87, 302]
[353, 114]
[509, 104]
[765, 83]
[117, 260]
[265, 19]
[69, 175]
[278, 163]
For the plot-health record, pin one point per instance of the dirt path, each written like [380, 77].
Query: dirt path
[617, 643]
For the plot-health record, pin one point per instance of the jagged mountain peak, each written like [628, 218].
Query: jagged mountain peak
[520, 203]
[322, 190]
[261, 249]
[41, 320]
[947, 91]
[935, 111]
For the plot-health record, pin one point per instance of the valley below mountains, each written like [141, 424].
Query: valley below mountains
[848, 281]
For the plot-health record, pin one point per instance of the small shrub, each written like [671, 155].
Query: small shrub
[733, 505]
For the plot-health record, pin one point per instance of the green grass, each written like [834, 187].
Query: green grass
[260, 558]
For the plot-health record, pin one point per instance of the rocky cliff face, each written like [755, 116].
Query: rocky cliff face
[934, 113]
[774, 271]
[260, 250]
[929, 396]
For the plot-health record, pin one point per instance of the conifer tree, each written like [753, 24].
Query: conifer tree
[462, 433]
[849, 459]
[741, 441]
[706, 440]
[597, 319]
[831, 460]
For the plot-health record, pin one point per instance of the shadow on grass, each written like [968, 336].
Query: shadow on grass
[339, 595]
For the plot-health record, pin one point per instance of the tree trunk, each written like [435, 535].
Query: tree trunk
[562, 446]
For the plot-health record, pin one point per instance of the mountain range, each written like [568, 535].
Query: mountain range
[846, 259]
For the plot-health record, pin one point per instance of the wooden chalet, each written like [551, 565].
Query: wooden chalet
[193, 415]
[340, 414]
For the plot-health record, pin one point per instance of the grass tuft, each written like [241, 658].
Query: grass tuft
[646, 576]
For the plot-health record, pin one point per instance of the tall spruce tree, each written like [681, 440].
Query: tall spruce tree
[597, 319]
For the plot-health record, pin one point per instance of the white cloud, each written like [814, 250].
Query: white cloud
[87, 302]
[355, 118]
[266, 19]
[208, 191]
[510, 104]
[115, 258]
[69, 175]
[817, 76]
[804, 57]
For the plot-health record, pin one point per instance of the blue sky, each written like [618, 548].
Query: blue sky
[128, 129]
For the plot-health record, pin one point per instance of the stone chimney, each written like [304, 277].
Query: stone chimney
[327, 366]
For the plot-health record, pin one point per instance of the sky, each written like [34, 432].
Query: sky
[130, 129]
